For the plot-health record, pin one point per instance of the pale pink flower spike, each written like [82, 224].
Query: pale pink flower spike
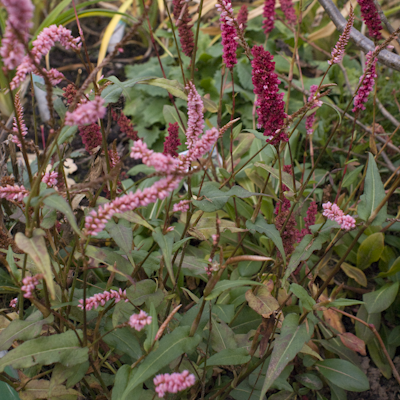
[334, 213]
[173, 383]
[139, 321]
[100, 299]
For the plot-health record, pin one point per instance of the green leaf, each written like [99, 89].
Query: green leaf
[249, 268]
[370, 250]
[380, 300]
[287, 346]
[170, 347]
[352, 176]
[63, 348]
[374, 193]
[306, 300]
[261, 226]
[229, 357]
[60, 204]
[165, 242]
[310, 381]
[262, 301]
[172, 86]
[245, 392]
[222, 336]
[8, 393]
[344, 303]
[23, 330]
[282, 395]
[354, 273]
[343, 374]
[337, 393]
[122, 234]
[221, 286]
[35, 247]
[151, 329]
[11, 262]
[67, 133]
[225, 312]
[124, 341]
[134, 218]
[171, 116]
[379, 358]
[362, 331]
[394, 269]
[287, 179]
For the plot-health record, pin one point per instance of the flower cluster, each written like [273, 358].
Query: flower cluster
[86, 113]
[173, 383]
[368, 83]
[13, 303]
[269, 16]
[270, 111]
[41, 46]
[288, 10]
[139, 321]
[18, 120]
[91, 136]
[97, 220]
[172, 140]
[338, 51]
[186, 36]
[309, 219]
[182, 206]
[16, 34]
[100, 299]
[316, 103]
[195, 124]
[371, 18]
[50, 178]
[13, 193]
[334, 213]
[29, 285]
[242, 16]
[228, 32]
[125, 124]
[70, 93]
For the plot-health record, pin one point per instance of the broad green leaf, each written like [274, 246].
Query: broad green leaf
[171, 116]
[337, 393]
[352, 176]
[229, 357]
[170, 347]
[139, 292]
[222, 337]
[362, 331]
[39, 389]
[337, 347]
[374, 193]
[306, 300]
[121, 380]
[23, 330]
[60, 204]
[370, 250]
[63, 348]
[343, 374]
[78, 372]
[310, 381]
[122, 234]
[286, 347]
[379, 358]
[36, 248]
[262, 301]
[344, 303]
[282, 395]
[221, 286]
[11, 262]
[354, 273]
[394, 269]
[67, 133]
[379, 300]
[245, 392]
[135, 218]
[287, 179]
[172, 86]
[124, 341]
[166, 241]
[7, 392]
[261, 226]
[225, 312]
[151, 329]
[249, 268]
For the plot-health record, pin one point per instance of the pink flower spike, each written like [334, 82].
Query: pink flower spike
[269, 15]
[288, 10]
[50, 178]
[13, 193]
[139, 321]
[91, 136]
[20, 14]
[242, 16]
[195, 116]
[100, 299]
[13, 303]
[186, 36]
[371, 18]
[172, 140]
[86, 113]
[182, 206]
[19, 119]
[173, 383]
[369, 76]
[29, 285]
[334, 213]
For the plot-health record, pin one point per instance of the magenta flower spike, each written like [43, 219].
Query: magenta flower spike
[91, 136]
[18, 24]
[371, 18]
[270, 104]
[288, 11]
[316, 103]
[228, 32]
[368, 83]
[183, 19]
[172, 140]
[86, 113]
[269, 15]
[242, 16]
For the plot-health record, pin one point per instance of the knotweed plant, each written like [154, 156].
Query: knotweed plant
[212, 221]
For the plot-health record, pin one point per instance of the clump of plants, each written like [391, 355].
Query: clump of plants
[237, 239]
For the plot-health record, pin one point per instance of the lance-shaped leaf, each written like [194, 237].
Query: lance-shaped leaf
[170, 347]
[165, 242]
[221, 286]
[286, 347]
[380, 300]
[63, 348]
[370, 250]
[229, 357]
[374, 193]
[23, 330]
[35, 247]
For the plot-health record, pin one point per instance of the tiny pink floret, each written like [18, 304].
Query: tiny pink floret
[173, 383]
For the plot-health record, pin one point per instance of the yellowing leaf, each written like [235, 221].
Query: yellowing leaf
[262, 302]
[354, 273]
